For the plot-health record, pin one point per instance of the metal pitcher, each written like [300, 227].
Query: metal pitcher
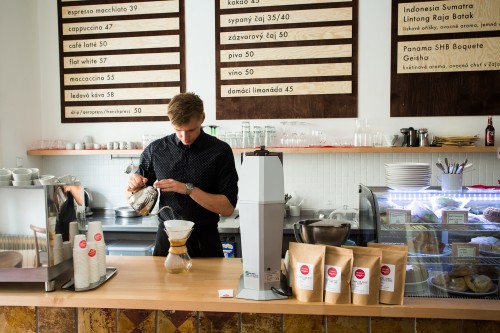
[423, 137]
[144, 200]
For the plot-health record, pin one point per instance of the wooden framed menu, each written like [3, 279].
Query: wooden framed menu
[280, 59]
[445, 58]
[120, 60]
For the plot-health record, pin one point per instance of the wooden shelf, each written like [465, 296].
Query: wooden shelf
[298, 150]
[64, 152]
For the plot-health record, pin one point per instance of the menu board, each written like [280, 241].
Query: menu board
[286, 59]
[120, 60]
[445, 58]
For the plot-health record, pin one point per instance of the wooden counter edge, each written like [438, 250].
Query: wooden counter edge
[136, 287]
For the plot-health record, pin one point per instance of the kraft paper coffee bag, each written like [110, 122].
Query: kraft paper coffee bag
[307, 263]
[392, 272]
[338, 270]
[365, 278]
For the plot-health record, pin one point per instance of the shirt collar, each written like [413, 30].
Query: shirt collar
[199, 140]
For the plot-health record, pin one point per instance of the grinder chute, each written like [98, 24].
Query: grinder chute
[261, 207]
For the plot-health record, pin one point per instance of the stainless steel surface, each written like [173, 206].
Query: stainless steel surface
[38, 209]
[328, 232]
[147, 224]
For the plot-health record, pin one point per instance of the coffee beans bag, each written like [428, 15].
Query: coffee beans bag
[338, 269]
[307, 263]
[365, 278]
[392, 272]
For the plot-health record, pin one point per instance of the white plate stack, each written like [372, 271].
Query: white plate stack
[408, 176]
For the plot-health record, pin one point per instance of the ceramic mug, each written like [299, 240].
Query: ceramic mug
[5, 174]
[450, 181]
[21, 174]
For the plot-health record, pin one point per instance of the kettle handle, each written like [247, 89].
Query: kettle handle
[296, 231]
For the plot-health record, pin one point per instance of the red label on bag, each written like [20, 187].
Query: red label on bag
[332, 272]
[360, 274]
[385, 270]
[304, 269]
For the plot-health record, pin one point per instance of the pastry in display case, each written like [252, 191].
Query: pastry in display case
[453, 237]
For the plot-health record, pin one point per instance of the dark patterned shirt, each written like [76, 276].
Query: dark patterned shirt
[208, 163]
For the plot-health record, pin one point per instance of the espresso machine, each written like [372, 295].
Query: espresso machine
[31, 216]
[261, 207]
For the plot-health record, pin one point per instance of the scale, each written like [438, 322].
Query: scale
[262, 206]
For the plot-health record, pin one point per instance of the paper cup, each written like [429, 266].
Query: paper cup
[94, 232]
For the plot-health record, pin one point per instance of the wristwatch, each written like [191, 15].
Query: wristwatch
[189, 188]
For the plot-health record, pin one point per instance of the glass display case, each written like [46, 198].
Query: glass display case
[453, 238]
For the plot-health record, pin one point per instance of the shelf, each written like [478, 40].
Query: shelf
[295, 150]
[64, 152]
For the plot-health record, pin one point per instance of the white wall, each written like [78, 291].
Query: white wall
[20, 104]
[29, 89]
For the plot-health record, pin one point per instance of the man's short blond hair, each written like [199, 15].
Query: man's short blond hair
[183, 107]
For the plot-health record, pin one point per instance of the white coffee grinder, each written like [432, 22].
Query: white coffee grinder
[261, 207]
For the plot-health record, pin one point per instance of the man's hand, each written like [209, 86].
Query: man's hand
[136, 182]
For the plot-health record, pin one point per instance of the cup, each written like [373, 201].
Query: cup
[130, 145]
[294, 210]
[450, 181]
[94, 232]
[67, 179]
[97, 146]
[48, 180]
[116, 145]
[5, 174]
[79, 146]
[21, 174]
[80, 242]
[5, 183]
[70, 146]
[123, 145]
[35, 173]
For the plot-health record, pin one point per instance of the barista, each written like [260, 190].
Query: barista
[196, 175]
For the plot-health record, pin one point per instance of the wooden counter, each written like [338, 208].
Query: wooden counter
[142, 283]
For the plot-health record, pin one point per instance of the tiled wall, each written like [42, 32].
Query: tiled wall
[323, 180]
[88, 320]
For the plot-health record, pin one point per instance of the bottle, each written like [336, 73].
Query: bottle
[489, 137]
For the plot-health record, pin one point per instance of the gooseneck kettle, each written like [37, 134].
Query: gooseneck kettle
[144, 200]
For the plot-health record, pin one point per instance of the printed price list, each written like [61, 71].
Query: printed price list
[120, 61]
[290, 49]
